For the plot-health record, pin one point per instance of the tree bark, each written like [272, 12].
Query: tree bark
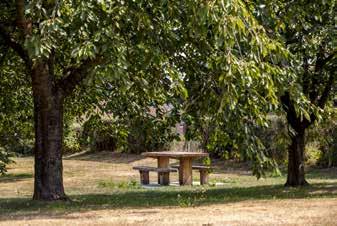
[296, 174]
[48, 117]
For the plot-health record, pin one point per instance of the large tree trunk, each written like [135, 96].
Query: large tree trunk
[296, 174]
[48, 118]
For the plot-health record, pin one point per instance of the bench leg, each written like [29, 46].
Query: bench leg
[164, 178]
[203, 177]
[144, 177]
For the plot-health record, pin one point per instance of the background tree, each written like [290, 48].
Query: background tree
[15, 110]
[232, 83]
[308, 30]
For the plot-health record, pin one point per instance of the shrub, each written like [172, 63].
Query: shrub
[100, 134]
[4, 160]
[139, 134]
[328, 146]
[312, 153]
[149, 134]
[325, 135]
[71, 143]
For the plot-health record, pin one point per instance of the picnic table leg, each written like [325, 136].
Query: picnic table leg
[163, 178]
[185, 171]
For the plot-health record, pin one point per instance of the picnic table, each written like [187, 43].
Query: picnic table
[185, 165]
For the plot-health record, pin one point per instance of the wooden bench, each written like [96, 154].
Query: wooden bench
[164, 174]
[203, 170]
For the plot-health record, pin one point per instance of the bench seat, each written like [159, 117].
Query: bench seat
[154, 169]
[164, 174]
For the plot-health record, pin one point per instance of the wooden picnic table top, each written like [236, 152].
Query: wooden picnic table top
[175, 154]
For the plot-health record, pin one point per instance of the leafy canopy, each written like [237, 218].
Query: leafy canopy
[211, 56]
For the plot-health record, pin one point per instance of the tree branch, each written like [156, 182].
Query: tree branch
[75, 75]
[322, 60]
[289, 108]
[297, 123]
[319, 66]
[20, 13]
[15, 46]
[327, 89]
[330, 57]
[305, 77]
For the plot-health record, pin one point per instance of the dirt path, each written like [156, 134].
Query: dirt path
[278, 212]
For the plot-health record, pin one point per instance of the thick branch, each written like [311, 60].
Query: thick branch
[15, 46]
[327, 89]
[21, 21]
[305, 77]
[75, 75]
[320, 64]
[297, 123]
[292, 40]
[313, 94]
[325, 60]
[20, 13]
[322, 60]
[289, 108]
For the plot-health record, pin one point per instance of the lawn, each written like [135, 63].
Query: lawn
[105, 190]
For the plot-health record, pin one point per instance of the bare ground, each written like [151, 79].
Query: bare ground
[276, 212]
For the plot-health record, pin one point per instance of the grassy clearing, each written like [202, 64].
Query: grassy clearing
[101, 182]
[123, 196]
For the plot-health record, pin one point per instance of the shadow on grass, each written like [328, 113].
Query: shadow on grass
[141, 198]
[326, 173]
[14, 177]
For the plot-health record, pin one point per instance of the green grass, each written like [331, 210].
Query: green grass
[132, 184]
[130, 194]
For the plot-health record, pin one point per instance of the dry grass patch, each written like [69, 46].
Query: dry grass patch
[105, 191]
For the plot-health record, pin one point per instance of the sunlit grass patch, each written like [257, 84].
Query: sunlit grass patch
[132, 184]
[12, 177]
